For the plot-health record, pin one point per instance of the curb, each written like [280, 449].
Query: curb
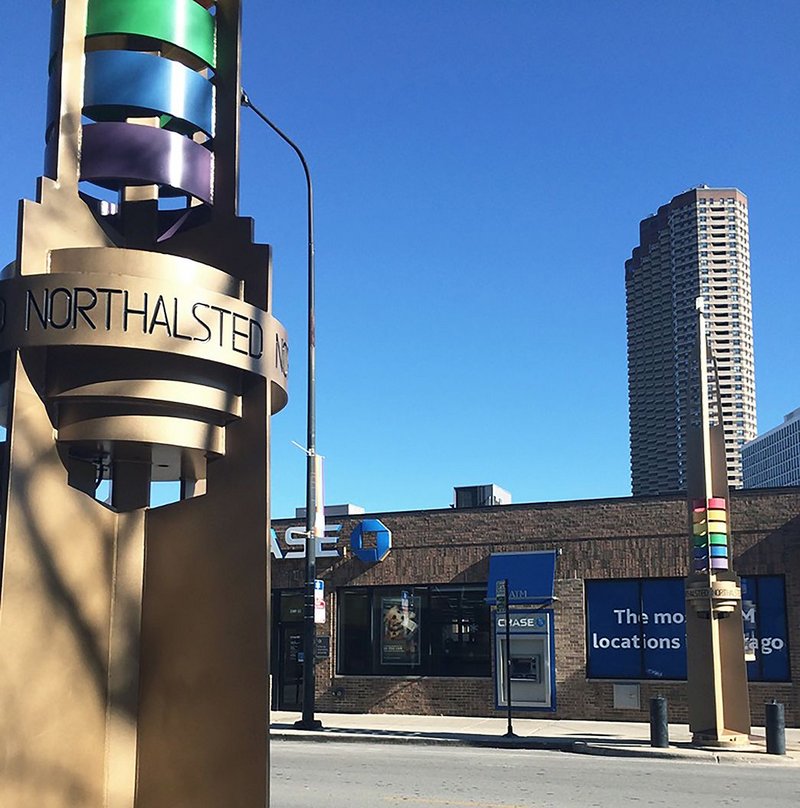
[543, 744]
[659, 753]
[416, 740]
[692, 755]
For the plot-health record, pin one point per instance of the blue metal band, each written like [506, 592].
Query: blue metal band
[123, 84]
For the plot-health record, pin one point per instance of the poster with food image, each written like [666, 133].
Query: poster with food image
[400, 631]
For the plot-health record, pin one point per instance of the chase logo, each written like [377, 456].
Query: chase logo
[376, 551]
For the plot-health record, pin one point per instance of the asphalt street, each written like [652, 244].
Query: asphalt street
[342, 775]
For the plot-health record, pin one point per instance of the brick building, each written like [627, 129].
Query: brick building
[615, 635]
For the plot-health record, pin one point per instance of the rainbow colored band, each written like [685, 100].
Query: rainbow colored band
[126, 84]
[710, 535]
[114, 155]
[184, 23]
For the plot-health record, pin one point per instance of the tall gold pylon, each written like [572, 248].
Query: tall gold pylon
[719, 709]
[137, 345]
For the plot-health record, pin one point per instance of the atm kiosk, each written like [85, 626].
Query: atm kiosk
[530, 632]
[532, 659]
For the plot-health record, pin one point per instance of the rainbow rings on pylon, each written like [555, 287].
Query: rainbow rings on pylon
[149, 97]
[710, 535]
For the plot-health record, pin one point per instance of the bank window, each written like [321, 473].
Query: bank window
[459, 639]
[414, 631]
[355, 645]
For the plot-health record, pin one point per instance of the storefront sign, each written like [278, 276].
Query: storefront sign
[294, 538]
[294, 542]
[383, 541]
[636, 628]
[521, 622]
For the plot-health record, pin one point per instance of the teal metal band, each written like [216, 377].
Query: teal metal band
[184, 23]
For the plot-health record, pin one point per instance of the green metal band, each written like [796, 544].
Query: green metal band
[184, 23]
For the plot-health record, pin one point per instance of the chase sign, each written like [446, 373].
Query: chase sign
[383, 541]
[328, 545]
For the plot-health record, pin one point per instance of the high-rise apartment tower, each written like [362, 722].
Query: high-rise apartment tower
[695, 246]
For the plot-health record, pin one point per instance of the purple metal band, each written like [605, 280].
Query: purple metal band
[118, 154]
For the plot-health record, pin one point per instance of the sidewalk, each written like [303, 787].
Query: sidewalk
[615, 738]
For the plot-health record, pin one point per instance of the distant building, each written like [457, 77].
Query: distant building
[772, 460]
[695, 246]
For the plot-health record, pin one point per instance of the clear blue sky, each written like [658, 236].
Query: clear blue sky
[480, 169]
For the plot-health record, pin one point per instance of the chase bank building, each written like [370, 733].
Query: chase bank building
[596, 606]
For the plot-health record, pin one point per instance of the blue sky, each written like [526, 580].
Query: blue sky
[480, 170]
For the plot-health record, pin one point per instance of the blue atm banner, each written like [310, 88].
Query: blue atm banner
[530, 576]
[636, 628]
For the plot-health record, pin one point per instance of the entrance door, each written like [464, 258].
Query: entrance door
[290, 667]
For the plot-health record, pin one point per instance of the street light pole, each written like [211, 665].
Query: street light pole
[309, 629]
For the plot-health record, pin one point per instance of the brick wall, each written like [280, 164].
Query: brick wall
[643, 537]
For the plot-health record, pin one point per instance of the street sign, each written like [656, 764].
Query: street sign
[322, 647]
[319, 601]
[501, 594]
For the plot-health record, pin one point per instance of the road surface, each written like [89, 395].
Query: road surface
[357, 775]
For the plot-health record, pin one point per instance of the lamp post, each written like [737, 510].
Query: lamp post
[312, 460]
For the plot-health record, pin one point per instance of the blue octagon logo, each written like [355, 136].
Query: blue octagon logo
[383, 541]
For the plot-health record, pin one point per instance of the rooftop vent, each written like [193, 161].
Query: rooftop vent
[481, 496]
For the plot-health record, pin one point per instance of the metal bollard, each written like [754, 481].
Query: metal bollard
[659, 731]
[776, 728]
